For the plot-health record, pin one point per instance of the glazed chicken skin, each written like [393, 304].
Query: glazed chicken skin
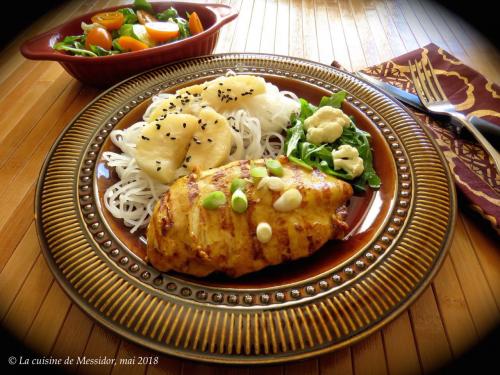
[186, 237]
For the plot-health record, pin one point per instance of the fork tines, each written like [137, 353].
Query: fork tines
[427, 85]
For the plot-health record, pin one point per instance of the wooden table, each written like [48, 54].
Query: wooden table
[38, 99]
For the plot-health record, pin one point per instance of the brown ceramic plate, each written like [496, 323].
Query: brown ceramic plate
[296, 310]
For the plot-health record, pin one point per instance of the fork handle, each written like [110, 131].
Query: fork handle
[482, 140]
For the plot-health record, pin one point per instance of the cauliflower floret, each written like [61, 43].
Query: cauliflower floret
[326, 125]
[347, 158]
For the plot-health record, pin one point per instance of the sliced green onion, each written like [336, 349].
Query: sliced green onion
[239, 201]
[236, 184]
[274, 166]
[214, 200]
[258, 172]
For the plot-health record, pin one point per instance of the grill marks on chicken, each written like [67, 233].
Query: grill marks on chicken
[185, 237]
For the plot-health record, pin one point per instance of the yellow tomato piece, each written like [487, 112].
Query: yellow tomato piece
[162, 31]
[127, 43]
[195, 26]
[110, 20]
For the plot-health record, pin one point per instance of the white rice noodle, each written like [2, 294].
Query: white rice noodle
[273, 108]
[127, 139]
[156, 101]
[132, 198]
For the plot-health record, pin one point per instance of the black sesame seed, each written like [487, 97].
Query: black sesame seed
[158, 126]
[158, 169]
[168, 134]
[145, 138]
[216, 121]
[221, 84]
[184, 125]
[188, 158]
[158, 162]
[199, 121]
[203, 106]
[209, 140]
[184, 165]
[173, 138]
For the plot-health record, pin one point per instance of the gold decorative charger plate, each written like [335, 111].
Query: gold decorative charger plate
[341, 294]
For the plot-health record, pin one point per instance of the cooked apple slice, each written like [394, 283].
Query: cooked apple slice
[162, 145]
[187, 100]
[211, 143]
[226, 93]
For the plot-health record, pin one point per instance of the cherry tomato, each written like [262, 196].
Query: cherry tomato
[110, 20]
[195, 26]
[162, 31]
[127, 43]
[99, 37]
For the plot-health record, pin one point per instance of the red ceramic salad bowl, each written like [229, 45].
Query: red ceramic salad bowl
[104, 71]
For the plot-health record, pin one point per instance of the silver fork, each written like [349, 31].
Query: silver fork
[433, 98]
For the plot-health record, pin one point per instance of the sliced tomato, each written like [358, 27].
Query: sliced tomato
[110, 20]
[98, 36]
[129, 44]
[162, 31]
[195, 26]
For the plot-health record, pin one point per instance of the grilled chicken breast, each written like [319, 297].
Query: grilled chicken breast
[186, 237]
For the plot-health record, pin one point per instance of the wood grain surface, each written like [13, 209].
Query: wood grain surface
[38, 99]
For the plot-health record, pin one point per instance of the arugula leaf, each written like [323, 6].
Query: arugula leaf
[294, 135]
[130, 16]
[167, 14]
[334, 101]
[183, 27]
[99, 51]
[143, 5]
[71, 39]
[77, 51]
[298, 161]
[306, 109]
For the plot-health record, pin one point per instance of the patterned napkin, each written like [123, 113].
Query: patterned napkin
[473, 95]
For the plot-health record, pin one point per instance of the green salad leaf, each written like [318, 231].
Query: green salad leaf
[127, 30]
[170, 13]
[183, 27]
[74, 44]
[334, 101]
[130, 16]
[309, 155]
[143, 5]
[99, 51]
